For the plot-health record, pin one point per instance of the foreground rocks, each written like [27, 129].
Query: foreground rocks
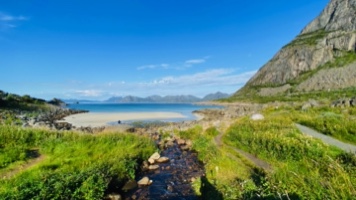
[170, 174]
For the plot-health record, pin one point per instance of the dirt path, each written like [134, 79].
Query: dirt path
[327, 139]
[23, 167]
[256, 161]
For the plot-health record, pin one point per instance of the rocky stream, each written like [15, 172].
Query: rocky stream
[168, 174]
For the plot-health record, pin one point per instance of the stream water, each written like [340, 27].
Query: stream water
[173, 179]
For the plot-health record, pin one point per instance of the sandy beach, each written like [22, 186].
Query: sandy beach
[102, 119]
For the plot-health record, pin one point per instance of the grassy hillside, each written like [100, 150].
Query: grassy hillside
[300, 167]
[23, 103]
[72, 165]
[252, 96]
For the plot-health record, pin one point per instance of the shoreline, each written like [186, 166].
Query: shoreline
[95, 119]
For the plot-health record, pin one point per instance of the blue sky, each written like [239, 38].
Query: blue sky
[98, 49]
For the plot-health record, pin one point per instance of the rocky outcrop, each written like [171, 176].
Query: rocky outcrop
[330, 79]
[338, 15]
[329, 38]
[45, 119]
[345, 102]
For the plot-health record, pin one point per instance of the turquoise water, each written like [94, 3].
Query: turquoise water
[185, 109]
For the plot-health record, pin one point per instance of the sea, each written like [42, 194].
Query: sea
[185, 109]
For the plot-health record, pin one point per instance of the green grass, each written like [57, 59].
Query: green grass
[336, 122]
[252, 96]
[309, 39]
[75, 166]
[225, 170]
[303, 167]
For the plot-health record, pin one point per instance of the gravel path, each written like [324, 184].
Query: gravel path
[327, 139]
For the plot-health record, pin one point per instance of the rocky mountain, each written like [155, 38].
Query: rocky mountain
[321, 57]
[167, 99]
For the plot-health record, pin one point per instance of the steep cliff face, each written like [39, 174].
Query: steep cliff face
[329, 41]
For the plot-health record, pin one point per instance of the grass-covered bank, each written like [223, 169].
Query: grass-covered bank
[339, 123]
[75, 166]
[302, 167]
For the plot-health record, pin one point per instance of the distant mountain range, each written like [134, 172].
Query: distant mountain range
[156, 99]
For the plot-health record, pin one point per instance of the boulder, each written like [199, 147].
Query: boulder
[151, 161]
[162, 159]
[185, 147]
[256, 117]
[153, 167]
[353, 101]
[114, 197]
[155, 156]
[144, 165]
[189, 143]
[144, 181]
[169, 144]
[180, 142]
[129, 185]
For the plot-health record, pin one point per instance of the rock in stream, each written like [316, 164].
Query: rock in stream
[172, 179]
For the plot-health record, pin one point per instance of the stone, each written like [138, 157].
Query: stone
[167, 139]
[153, 167]
[144, 181]
[189, 143]
[184, 147]
[180, 142]
[170, 188]
[151, 161]
[162, 159]
[129, 185]
[256, 117]
[114, 197]
[155, 156]
[169, 144]
[353, 101]
[25, 125]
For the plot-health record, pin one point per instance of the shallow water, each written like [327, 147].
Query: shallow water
[173, 179]
[185, 109]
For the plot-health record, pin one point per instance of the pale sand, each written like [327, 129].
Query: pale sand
[102, 119]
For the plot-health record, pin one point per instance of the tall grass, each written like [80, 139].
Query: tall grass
[226, 172]
[304, 168]
[336, 122]
[75, 167]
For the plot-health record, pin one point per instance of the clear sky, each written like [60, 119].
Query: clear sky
[91, 49]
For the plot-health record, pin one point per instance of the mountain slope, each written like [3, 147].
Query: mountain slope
[308, 62]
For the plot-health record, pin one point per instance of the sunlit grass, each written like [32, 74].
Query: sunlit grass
[77, 166]
[302, 166]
